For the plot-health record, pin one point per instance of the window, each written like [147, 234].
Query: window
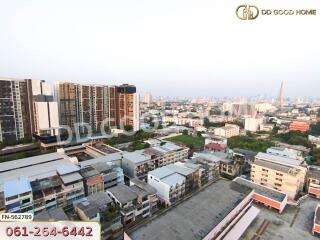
[11, 198]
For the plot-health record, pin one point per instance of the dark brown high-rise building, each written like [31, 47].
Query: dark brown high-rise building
[92, 105]
[126, 101]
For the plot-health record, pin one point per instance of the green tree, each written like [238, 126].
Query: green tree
[185, 132]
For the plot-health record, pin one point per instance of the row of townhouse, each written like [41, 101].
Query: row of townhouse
[53, 180]
[136, 201]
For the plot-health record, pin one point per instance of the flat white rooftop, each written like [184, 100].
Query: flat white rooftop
[278, 159]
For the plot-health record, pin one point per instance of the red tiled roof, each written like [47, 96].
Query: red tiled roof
[215, 146]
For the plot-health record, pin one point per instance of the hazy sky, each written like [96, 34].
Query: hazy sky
[167, 47]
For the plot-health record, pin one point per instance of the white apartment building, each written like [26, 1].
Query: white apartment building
[137, 164]
[169, 184]
[229, 130]
[252, 124]
[147, 98]
[136, 112]
[193, 122]
[46, 115]
[280, 173]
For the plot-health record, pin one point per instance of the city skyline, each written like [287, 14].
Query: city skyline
[184, 47]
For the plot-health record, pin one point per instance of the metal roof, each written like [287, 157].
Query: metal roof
[108, 158]
[44, 170]
[278, 159]
[185, 171]
[31, 161]
[72, 177]
[173, 179]
[16, 187]
[161, 172]
[67, 168]
[136, 156]
[272, 165]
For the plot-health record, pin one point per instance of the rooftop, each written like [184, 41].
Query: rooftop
[136, 156]
[31, 161]
[72, 177]
[173, 179]
[56, 214]
[89, 209]
[108, 158]
[317, 215]
[207, 156]
[278, 159]
[194, 218]
[100, 199]
[314, 172]
[123, 193]
[16, 187]
[145, 186]
[88, 172]
[183, 170]
[44, 170]
[161, 172]
[67, 168]
[249, 154]
[272, 165]
[265, 191]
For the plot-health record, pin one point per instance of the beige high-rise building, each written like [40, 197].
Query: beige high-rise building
[147, 98]
[281, 173]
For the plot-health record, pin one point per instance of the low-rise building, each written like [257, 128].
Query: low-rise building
[267, 196]
[126, 199]
[316, 222]
[137, 164]
[252, 123]
[313, 181]
[215, 147]
[135, 201]
[93, 180]
[93, 207]
[299, 126]
[18, 195]
[209, 166]
[244, 154]
[152, 192]
[229, 130]
[169, 184]
[280, 173]
[266, 127]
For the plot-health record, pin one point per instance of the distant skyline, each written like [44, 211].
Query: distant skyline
[169, 48]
